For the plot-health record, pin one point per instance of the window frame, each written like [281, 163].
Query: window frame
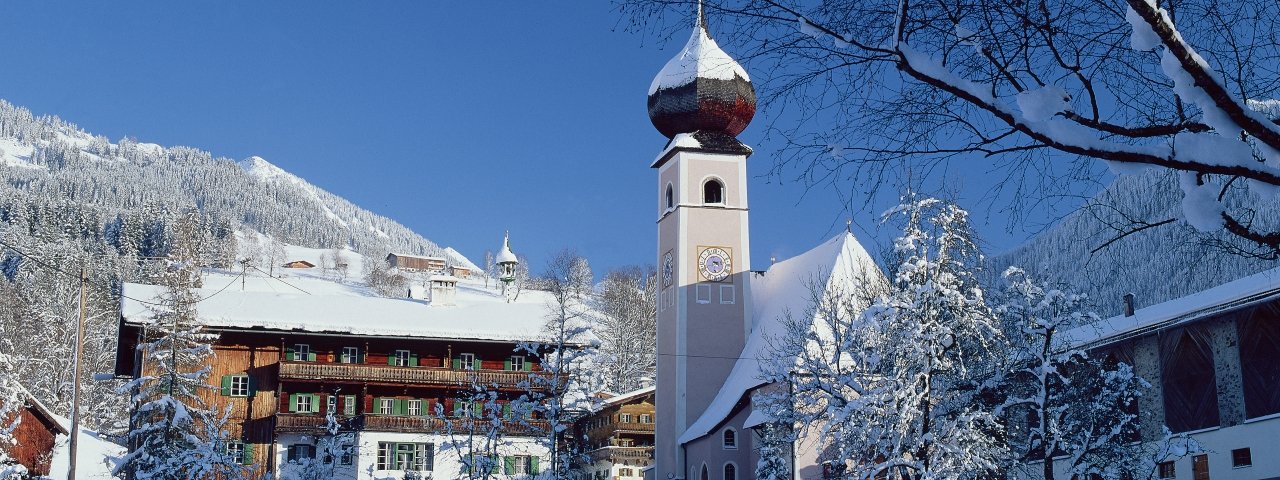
[235, 449]
[301, 352]
[402, 357]
[624, 418]
[350, 355]
[243, 380]
[1161, 472]
[349, 405]
[294, 452]
[414, 407]
[517, 363]
[730, 471]
[645, 418]
[1241, 458]
[301, 399]
[670, 196]
[729, 439]
[467, 361]
[706, 198]
[386, 406]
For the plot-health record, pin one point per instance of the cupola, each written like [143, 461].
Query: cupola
[702, 91]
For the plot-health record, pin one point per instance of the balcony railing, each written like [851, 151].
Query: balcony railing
[617, 454]
[295, 422]
[634, 427]
[360, 372]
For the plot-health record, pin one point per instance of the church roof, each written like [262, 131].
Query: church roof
[784, 289]
[701, 89]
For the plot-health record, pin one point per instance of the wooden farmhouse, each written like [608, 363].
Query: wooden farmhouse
[397, 373]
[619, 436]
[34, 436]
[416, 263]
[299, 264]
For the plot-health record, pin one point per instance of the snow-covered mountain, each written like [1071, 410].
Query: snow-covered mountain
[1155, 264]
[46, 157]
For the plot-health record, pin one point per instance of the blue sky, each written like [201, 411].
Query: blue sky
[457, 119]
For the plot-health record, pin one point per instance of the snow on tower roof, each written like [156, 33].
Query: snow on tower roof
[1247, 291]
[505, 255]
[785, 289]
[700, 58]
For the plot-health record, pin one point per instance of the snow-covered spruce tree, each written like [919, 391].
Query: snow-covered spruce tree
[561, 390]
[1061, 402]
[897, 387]
[174, 434]
[478, 429]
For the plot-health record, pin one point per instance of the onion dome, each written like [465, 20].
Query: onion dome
[701, 90]
[505, 255]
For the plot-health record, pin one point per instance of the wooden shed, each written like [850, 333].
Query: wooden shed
[34, 436]
[299, 264]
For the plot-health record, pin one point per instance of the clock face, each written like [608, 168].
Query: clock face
[668, 270]
[715, 264]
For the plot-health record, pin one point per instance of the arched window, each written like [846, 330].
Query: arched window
[713, 192]
[671, 197]
[730, 472]
[705, 475]
[730, 439]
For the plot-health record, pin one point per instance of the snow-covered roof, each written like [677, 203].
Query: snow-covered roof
[624, 397]
[443, 278]
[700, 58]
[409, 255]
[1243, 292]
[505, 255]
[306, 301]
[783, 289]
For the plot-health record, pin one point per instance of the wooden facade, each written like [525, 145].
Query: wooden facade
[287, 381]
[416, 263]
[34, 437]
[621, 433]
[299, 264]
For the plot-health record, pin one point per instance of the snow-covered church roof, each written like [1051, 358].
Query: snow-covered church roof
[784, 289]
[505, 255]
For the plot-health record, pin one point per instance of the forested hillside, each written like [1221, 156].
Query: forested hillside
[1156, 264]
[54, 160]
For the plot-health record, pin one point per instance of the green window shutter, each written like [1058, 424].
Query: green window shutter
[247, 457]
[311, 356]
[457, 408]
[506, 410]
[477, 364]
[289, 353]
[226, 385]
[315, 402]
[477, 409]
[391, 359]
[293, 402]
[533, 465]
[508, 465]
[360, 355]
[377, 406]
[457, 363]
[253, 385]
[528, 365]
[506, 364]
[413, 359]
[402, 406]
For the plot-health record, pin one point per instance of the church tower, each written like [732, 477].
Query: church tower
[701, 100]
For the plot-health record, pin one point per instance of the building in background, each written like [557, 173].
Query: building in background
[35, 436]
[619, 436]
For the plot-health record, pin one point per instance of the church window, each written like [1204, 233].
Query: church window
[727, 294]
[705, 474]
[1190, 388]
[730, 439]
[713, 192]
[1259, 347]
[670, 197]
[730, 471]
[703, 294]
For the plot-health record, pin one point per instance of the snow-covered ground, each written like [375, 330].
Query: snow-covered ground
[95, 456]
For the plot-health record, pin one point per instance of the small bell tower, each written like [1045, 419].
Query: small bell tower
[507, 262]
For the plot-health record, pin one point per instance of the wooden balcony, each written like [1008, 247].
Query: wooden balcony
[315, 423]
[621, 454]
[393, 375]
[633, 428]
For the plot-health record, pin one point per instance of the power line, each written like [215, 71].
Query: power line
[281, 280]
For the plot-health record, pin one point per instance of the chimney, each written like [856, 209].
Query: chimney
[1128, 304]
[443, 290]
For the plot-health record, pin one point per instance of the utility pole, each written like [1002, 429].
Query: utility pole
[75, 392]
